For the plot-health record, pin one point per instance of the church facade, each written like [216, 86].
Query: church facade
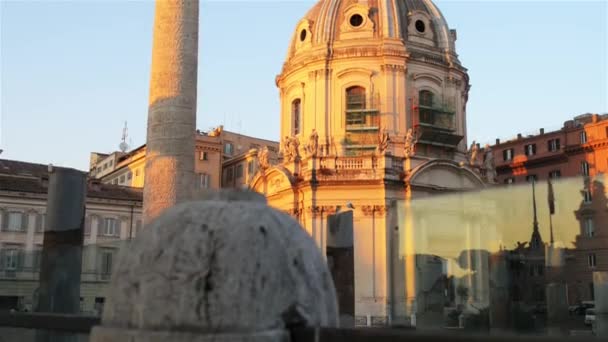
[373, 116]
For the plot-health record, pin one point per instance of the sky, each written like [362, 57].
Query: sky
[72, 72]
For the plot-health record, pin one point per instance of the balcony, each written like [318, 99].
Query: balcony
[437, 127]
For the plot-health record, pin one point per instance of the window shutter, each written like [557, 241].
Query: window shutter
[87, 225]
[557, 144]
[4, 220]
[2, 260]
[20, 259]
[100, 226]
[39, 223]
[117, 227]
[24, 221]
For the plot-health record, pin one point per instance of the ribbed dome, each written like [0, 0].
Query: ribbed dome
[417, 24]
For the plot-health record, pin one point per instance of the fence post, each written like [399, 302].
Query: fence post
[59, 288]
[224, 268]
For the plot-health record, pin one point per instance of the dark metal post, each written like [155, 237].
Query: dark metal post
[61, 263]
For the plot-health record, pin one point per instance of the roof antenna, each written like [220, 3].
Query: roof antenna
[123, 146]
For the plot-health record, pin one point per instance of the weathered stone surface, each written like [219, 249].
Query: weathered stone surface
[172, 107]
[218, 266]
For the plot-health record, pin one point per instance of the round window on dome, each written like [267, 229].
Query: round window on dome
[420, 27]
[303, 35]
[356, 20]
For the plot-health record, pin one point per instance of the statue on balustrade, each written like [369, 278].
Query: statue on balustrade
[383, 141]
[472, 154]
[263, 161]
[411, 139]
[313, 143]
[291, 149]
[488, 164]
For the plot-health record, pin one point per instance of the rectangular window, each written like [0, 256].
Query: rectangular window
[111, 162]
[250, 167]
[98, 169]
[204, 181]
[591, 260]
[530, 149]
[507, 154]
[540, 269]
[585, 168]
[16, 221]
[106, 263]
[583, 137]
[553, 145]
[110, 227]
[587, 198]
[509, 180]
[105, 166]
[11, 259]
[229, 174]
[589, 229]
[530, 178]
[115, 181]
[122, 179]
[228, 149]
[239, 171]
[555, 174]
[129, 176]
[202, 155]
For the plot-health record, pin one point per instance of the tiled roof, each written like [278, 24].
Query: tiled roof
[17, 176]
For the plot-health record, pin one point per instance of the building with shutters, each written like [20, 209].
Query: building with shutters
[113, 216]
[579, 148]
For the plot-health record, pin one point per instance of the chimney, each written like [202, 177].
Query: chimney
[542, 131]
[497, 141]
[518, 135]
[595, 118]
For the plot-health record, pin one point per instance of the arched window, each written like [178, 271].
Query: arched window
[426, 98]
[296, 112]
[355, 98]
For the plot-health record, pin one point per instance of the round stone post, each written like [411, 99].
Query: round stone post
[225, 268]
[169, 172]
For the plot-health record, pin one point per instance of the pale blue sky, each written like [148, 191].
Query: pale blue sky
[73, 71]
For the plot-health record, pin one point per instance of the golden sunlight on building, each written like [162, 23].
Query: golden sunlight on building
[373, 118]
[222, 159]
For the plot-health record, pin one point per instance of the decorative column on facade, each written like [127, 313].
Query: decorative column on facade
[172, 107]
[375, 304]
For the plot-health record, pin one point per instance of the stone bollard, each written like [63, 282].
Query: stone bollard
[224, 268]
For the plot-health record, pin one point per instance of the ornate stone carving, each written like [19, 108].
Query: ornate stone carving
[313, 144]
[263, 161]
[383, 140]
[378, 210]
[488, 164]
[291, 149]
[411, 139]
[472, 155]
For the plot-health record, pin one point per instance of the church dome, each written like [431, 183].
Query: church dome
[414, 25]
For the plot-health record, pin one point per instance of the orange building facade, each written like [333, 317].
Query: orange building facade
[579, 148]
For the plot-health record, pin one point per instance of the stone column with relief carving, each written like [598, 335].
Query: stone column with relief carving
[172, 107]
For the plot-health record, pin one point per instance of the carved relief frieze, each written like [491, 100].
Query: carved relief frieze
[376, 210]
[392, 67]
